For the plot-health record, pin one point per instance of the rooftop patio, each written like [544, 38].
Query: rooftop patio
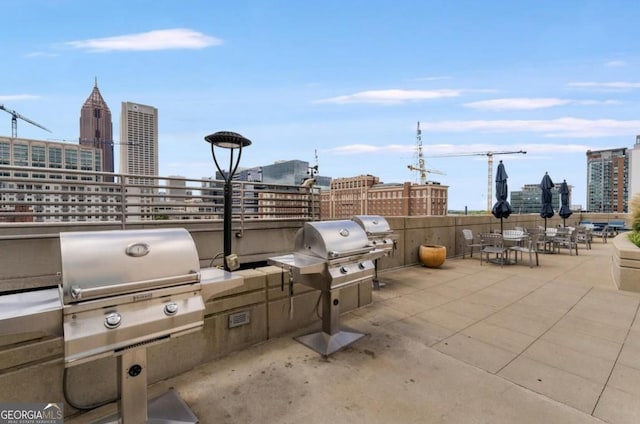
[463, 343]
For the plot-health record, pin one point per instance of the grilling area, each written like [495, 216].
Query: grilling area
[414, 343]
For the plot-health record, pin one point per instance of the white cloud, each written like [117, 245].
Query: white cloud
[17, 97]
[615, 63]
[625, 85]
[597, 102]
[177, 38]
[561, 127]
[517, 103]
[532, 103]
[392, 96]
[453, 150]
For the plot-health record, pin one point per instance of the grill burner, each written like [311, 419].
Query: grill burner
[380, 236]
[328, 256]
[121, 292]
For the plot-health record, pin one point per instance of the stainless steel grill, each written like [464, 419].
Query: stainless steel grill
[121, 292]
[328, 256]
[380, 236]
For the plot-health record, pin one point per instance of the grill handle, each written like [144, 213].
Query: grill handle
[336, 254]
[79, 293]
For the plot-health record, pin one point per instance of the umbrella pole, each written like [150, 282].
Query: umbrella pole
[501, 231]
[545, 225]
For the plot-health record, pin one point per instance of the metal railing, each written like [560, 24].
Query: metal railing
[51, 195]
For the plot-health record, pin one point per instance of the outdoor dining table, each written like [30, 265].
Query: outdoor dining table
[510, 238]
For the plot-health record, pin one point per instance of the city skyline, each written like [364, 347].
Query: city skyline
[348, 79]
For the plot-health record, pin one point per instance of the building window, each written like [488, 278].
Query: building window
[20, 155]
[70, 159]
[5, 154]
[55, 157]
[38, 157]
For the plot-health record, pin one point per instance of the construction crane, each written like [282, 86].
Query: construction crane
[420, 166]
[490, 154]
[14, 121]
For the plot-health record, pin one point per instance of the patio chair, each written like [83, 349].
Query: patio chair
[602, 232]
[565, 238]
[469, 242]
[530, 246]
[493, 244]
[583, 235]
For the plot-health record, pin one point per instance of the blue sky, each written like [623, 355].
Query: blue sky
[349, 79]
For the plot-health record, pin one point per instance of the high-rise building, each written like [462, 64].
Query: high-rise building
[139, 154]
[139, 141]
[96, 128]
[43, 195]
[286, 172]
[529, 199]
[607, 180]
[634, 169]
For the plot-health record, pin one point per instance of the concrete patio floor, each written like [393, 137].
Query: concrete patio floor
[464, 343]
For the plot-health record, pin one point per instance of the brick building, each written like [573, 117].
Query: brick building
[365, 195]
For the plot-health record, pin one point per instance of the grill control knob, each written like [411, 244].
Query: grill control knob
[171, 308]
[112, 320]
[344, 270]
[361, 265]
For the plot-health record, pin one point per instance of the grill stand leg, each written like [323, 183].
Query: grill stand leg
[376, 282]
[132, 384]
[331, 338]
[133, 407]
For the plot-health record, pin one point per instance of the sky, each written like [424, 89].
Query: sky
[345, 81]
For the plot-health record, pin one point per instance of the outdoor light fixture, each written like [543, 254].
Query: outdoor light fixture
[232, 141]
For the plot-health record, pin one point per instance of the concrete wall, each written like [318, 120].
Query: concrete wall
[32, 368]
[31, 253]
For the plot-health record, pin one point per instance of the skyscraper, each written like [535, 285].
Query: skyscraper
[607, 180]
[139, 141]
[96, 128]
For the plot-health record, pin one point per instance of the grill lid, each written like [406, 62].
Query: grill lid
[331, 239]
[105, 263]
[374, 225]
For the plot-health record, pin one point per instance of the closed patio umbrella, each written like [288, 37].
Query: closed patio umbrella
[502, 208]
[547, 208]
[564, 211]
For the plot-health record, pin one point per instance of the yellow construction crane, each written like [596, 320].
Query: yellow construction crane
[490, 154]
[420, 165]
[14, 121]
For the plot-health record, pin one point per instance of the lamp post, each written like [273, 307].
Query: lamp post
[232, 141]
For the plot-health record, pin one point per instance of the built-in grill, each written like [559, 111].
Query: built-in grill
[121, 292]
[380, 235]
[328, 256]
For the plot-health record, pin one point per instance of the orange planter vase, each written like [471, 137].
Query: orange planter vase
[431, 255]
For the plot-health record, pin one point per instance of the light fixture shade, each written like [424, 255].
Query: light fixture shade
[227, 140]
